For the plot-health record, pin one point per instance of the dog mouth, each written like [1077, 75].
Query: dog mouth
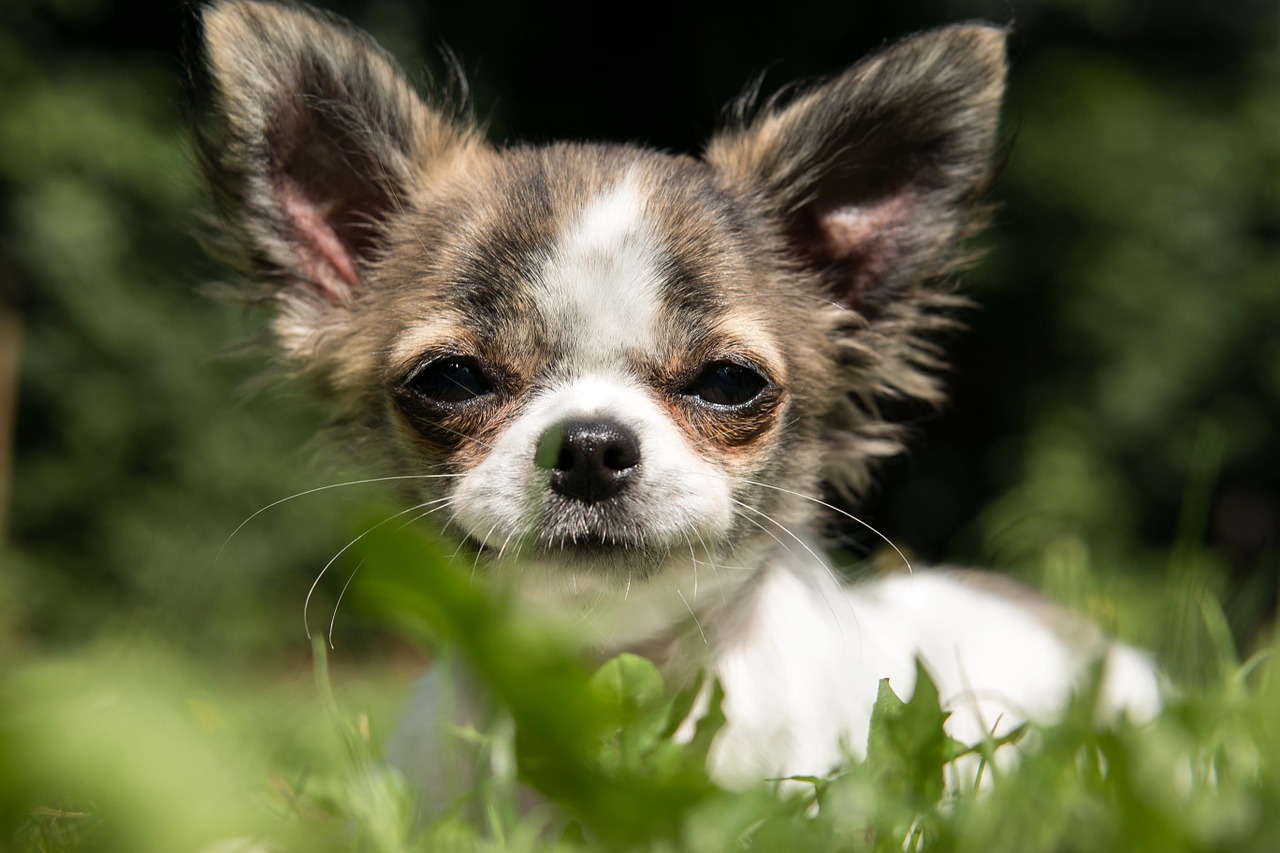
[610, 537]
[598, 546]
[594, 551]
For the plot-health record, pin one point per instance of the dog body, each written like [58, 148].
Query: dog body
[799, 657]
[621, 378]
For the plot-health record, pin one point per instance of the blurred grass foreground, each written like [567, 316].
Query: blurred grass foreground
[1112, 439]
[125, 747]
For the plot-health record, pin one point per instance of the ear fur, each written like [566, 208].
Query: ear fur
[315, 141]
[876, 172]
[874, 179]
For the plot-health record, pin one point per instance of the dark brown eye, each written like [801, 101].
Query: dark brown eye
[726, 383]
[449, 380]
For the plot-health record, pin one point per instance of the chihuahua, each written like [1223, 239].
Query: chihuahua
[625, 378]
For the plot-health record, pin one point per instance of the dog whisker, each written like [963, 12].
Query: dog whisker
[325, 488]
[826, 505]
[505, 543]
[715, 567]
[693, 556]
[696, 623]
[334, 617]
[315, 583]
[465, 436]
[437, 505]
[475, 563]
[821, 562]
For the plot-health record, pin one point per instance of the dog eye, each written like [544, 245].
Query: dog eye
[450, 380]
[724, 383]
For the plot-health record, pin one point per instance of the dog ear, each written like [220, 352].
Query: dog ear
[874, 174]
[315, 142]
[874, 179]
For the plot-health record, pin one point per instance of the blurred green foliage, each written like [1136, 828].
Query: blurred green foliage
[137, 451]
[123, 748]
[1151, 208]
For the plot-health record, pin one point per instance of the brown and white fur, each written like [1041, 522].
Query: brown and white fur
[626, 376]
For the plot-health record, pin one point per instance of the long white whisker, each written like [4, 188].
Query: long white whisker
[787, 530]
[471, 438]
[694, 615]
[447, 502]
[505, 543]
[325, 488]
[593, 609]
[693, 555]
[813, 553]
[785, 546]
[315, 583]
[475, 563]
[693, 560]
[823, 503]
[338, 603]
[462, 540]
[715, 567]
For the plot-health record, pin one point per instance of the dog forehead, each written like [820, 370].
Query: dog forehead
[573, 256]
[601, 284]
[593, 253]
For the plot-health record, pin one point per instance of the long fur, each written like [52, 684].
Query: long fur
[630, 374]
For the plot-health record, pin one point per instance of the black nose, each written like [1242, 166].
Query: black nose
[589, 460]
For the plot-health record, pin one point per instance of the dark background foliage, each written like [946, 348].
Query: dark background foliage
[1117, 390]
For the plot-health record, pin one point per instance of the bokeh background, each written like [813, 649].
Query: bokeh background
[1116, 395]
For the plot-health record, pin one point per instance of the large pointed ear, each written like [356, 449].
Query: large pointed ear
[314, 142]
[875, 174]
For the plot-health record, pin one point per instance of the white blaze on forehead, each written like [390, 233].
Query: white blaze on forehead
[601, 284]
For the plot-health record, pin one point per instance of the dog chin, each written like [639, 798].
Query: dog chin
[613, 561]
[616, 594]
[588, 561]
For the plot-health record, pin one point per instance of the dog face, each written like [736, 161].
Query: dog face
[608, 366]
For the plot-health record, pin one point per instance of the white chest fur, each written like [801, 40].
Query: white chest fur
[800, 657]
[801, 671]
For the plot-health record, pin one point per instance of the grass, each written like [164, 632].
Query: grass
[124, 746]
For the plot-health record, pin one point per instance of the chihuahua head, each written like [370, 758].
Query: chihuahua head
[606, 369]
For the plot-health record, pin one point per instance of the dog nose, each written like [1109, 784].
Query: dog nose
[589, 460]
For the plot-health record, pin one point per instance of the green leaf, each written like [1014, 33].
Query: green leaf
[907, 746]
[628, 684]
